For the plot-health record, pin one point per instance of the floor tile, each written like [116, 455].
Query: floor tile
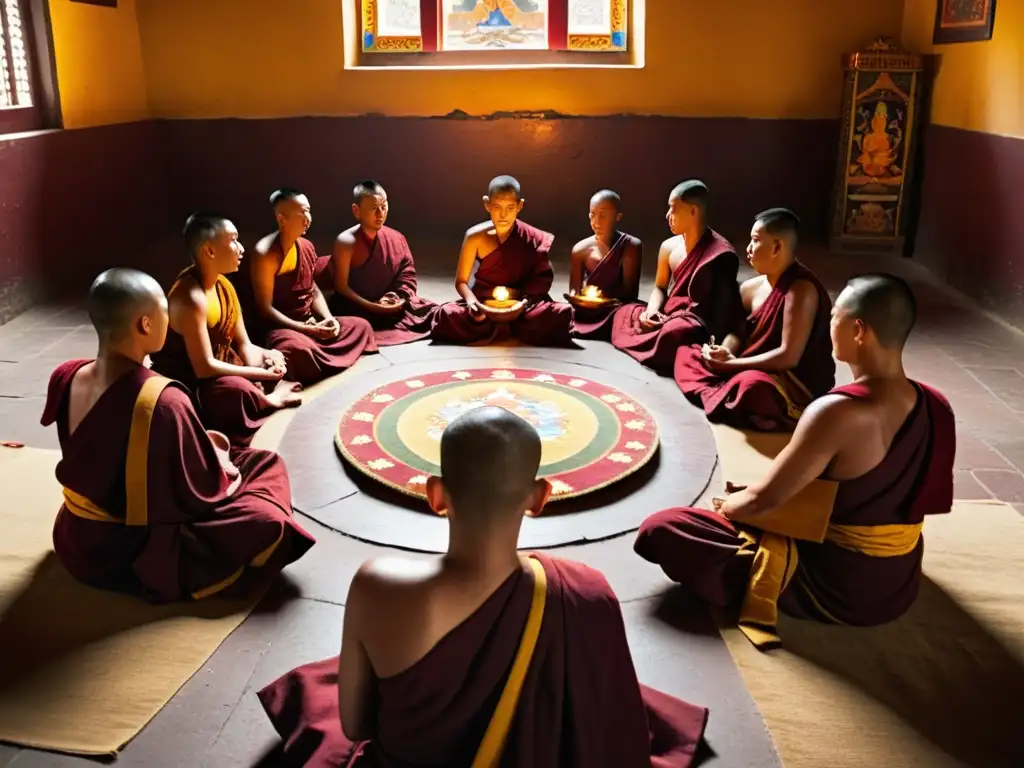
[1007, 384]
[1005, 485]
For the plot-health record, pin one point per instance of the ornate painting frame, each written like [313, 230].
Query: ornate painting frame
[876, 164]
[617, 37]
[963, 21]
[432, 30]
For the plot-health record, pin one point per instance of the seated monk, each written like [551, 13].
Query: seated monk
[153, 504]
[510, 255]
[608, 261]
[886, 441]
[374, 274]
[236, 384]
[764, 380]
[695, 296]
[428, 646]
[292, 313]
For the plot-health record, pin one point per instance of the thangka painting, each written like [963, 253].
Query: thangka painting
[964, 21]
[878, 151]
[390, 26]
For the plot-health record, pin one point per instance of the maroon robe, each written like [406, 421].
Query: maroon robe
[389, 268]
[521, 264]
[708, 555]
[596, 322]
[309, 360]
[196, 539]
[763, 400]
[581, 703]
[703, 301]
[233, 405]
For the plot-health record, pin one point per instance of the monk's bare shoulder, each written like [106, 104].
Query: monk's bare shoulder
[749, 288]
[835, 414]
[265, 244]
[479, 232]
[394, 574]
[583, 246]
[186, 293]
[667, 246]
[186, 299]
[347, 239]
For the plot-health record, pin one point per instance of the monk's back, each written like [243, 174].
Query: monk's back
[411, 605]
[870, 425]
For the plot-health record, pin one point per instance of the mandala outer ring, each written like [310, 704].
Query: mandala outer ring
[595, 390]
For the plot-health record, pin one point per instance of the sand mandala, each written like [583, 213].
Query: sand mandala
[592, 435]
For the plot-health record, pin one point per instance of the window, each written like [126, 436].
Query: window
[499, 32]
[27, 99]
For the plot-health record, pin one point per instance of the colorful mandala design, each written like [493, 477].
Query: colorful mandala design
[592, 435]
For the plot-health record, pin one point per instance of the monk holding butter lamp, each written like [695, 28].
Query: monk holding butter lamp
[605, 270]
[504, 278]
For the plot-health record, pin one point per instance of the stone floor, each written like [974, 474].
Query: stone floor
[216, 721]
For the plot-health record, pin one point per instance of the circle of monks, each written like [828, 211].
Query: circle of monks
[831, 532]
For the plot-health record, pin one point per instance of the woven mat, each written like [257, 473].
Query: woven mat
[82, 670]
[939, 687]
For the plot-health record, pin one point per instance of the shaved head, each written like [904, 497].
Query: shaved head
[367, 188]
[607, 196]
[284, 194]
[780, 223]
[489, 463]
[504, 185]
[119, 296]
[200, 229]
[884, 303]
[692, 191]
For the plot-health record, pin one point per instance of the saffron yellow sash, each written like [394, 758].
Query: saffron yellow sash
[493, 744]
[136, 465]
[775, 563]
[779, 381]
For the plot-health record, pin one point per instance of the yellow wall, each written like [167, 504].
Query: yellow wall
[271, 58]
[99, 63]
[980, 86]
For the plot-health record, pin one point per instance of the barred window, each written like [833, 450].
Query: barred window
[16, 90]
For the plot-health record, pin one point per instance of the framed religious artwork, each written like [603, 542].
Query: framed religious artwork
[884, 88]
[436, 26]
[964, 21]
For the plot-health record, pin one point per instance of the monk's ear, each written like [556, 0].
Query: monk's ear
[618, 217]
[541, 494]
[860, 331]
[144, 325]
[487, 203]
[437, 498]
[355, 211]
[519, 207]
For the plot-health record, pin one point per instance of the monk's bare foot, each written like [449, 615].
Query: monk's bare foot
[286, 395]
